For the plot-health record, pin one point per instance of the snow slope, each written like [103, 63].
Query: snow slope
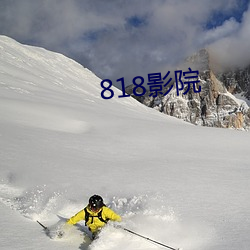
[60, 142]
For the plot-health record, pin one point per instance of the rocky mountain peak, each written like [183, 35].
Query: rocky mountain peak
[199, 61]
[215, 105]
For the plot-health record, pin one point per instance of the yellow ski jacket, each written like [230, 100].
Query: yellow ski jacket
[94, 223]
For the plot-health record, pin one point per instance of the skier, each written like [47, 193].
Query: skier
[95, 214]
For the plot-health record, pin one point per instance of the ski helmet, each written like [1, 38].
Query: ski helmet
[95, 202]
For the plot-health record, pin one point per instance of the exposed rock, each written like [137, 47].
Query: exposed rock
[237, 81]
[214, 105]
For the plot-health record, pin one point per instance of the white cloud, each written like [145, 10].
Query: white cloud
[234, 49]
[97, 33]
[226, 29]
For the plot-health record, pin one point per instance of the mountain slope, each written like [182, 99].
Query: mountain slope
[183, 185]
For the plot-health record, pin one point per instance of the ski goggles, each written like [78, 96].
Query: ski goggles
[94, 208]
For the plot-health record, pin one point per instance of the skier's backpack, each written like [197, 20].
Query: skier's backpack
[88, 216]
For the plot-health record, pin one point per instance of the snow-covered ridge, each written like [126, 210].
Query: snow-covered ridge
[35, 67]
[33, 74]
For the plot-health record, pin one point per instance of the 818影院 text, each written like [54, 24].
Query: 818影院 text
[155, 83]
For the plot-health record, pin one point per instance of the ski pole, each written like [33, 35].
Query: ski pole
[45, 228]
[146, 238]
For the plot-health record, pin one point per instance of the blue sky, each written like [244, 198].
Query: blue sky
[218, 16]
[118, 38]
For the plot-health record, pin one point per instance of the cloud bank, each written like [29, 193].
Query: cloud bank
[117, 38]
